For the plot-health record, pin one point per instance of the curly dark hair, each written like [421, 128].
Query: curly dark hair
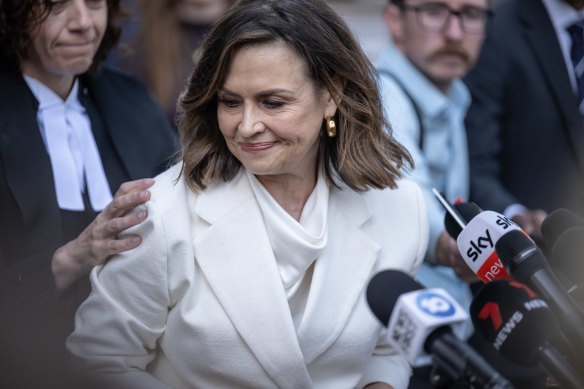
[19, 17]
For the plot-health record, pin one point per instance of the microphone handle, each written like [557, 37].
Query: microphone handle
[459, 360]
[553, 362]
[570, 316]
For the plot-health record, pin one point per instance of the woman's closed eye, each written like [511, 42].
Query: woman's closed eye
[57, 6]
[229, 103]
[273, 104]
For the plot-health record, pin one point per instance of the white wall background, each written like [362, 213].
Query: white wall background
[364, 18]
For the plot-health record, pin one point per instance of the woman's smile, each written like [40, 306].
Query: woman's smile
[255, 147]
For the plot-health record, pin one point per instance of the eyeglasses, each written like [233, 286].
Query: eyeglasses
[435, 17]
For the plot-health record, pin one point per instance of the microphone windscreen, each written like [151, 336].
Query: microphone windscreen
[510, 317]
[385, 288]
[568, 254]
[515, 252]
[467, 211]
[557, 222]
[540, 242]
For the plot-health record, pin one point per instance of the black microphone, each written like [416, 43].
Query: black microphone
[526, 264]
[421, 324]
[556, 223]
[467, 212]
[568, 260]
[521, 327]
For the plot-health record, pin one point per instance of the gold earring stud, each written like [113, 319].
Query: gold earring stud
[331, 127]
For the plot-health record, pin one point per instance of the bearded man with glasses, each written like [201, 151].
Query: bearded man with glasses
[434, 44]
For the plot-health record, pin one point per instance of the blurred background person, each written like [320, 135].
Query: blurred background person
[426, 103]
[525, 125]
[70, 134]
[435, 44]
[431, 48]
[288, 199]
[160, 43]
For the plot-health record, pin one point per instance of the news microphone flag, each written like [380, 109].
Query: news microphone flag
[432, 307]
[520, 326]
[425, 325]
[476, 243]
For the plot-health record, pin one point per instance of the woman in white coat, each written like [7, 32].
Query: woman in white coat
[258, 247]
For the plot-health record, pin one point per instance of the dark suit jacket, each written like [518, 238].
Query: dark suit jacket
[525, 134]
[135, 141]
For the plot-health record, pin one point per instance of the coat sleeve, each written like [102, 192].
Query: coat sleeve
[117, 327]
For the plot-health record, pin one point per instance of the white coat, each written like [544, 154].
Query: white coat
[200, 303]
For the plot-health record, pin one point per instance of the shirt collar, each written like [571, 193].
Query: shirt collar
[47, 98]
[562, 14]
[429, 98]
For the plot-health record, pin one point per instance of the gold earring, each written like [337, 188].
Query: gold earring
[331, 127]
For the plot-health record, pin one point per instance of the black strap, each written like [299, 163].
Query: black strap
[416, 107]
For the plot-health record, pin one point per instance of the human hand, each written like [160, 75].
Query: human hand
[99, 241]
[447, 254]
[530, 220]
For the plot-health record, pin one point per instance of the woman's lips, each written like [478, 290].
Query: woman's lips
[256, 147]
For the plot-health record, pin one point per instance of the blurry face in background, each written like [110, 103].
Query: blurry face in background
[201, 12]
[440, 56]
[64, 45]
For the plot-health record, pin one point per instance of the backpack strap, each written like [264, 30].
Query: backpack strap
[416, 107]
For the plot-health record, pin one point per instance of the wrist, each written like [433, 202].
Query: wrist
[439, 250]
[66, 267]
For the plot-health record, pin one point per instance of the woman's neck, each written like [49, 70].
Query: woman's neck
[290, 191]
[61, 85]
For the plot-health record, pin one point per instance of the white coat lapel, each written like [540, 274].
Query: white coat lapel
[236, 257]
[340, 274]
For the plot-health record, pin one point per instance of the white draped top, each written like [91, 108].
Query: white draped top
[296, 245]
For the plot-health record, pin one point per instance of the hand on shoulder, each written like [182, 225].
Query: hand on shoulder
[99, 241]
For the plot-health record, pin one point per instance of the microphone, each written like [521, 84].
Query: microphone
[527, 264]
[521, 327]
[556, 223]
[568, 258]
[467, 212]
[422, 324]
[476, 243]
[476, 233]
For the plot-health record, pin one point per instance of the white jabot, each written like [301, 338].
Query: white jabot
[296, 245]
[66, 131]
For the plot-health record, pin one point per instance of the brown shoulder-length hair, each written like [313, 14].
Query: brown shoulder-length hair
[19, 18]
[363, 154]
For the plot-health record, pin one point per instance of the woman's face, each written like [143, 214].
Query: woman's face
[66, 41]
[270, 112]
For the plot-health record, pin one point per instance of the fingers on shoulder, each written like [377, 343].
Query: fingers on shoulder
[123, 203]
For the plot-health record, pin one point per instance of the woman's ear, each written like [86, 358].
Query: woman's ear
[332, 98]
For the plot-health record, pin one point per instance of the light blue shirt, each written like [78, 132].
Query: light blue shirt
[443, 162]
